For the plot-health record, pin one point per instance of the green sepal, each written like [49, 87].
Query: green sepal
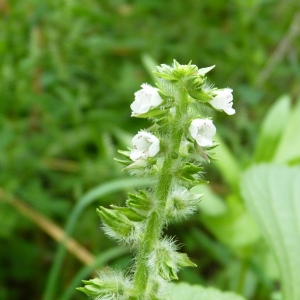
[213, 146]
[142, 167]
[199, 94]
[110, 283]
[194, 82]
[123, 162]
[129, 213]
[167, 271]
[168, 261]
[190, 168]
[176, 71]
[165, 97]
[190, 173]
[212, 158]
[96, 287]
[194, 181]
[152, 113]
[165, 71]
[139, 164]
[166, 76]
[92, 287]
[126, 154]
[115, 220]
[182, 260]
[140, 202]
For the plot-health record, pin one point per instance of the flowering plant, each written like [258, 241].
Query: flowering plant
[171, 152]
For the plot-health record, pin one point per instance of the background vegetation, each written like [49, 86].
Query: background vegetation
[68, 71]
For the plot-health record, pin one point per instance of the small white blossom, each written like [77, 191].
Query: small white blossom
[145, 99]
[223, 101]
[145, 145]
[202, 130]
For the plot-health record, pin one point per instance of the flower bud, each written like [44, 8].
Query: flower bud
[117, 225]
[166, 261]
[181, 203]
[142, 203]
[110, 284]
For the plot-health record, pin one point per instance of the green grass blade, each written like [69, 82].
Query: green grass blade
[150, 65]
[227, 163]
[271, 129]
[288, 149]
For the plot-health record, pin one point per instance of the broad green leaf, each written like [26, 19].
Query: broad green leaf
[272, 193]
[196, 292]
[271, 129]
[228, 221]
[234, 228]
[288, 149]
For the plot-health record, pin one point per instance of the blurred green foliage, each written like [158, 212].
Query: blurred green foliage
[68, 71]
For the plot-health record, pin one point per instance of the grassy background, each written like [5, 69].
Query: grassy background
[68, 71]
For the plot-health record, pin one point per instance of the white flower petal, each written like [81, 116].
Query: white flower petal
[145, 145]
[145, 99]
[223, 101]
[140, 106]
[203, 71]
[202, 130]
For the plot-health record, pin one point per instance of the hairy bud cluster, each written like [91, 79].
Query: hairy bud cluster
[171, 152]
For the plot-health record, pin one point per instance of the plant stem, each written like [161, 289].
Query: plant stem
[153, 228]
[156, 220]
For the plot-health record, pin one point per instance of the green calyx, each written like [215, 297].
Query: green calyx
[117, 222]
[188, 77]
[140, 203]
[167, 261]
[110, 283]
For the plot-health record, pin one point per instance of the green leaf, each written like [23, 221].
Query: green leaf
[227, 163]
[272, 193]
[199, 94]
[288, 149]
[272, 128]
[230, 227]
[196, 292]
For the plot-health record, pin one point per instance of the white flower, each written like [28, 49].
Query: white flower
[202, 130]
[145, 145]
[223, 101]
[145, 99]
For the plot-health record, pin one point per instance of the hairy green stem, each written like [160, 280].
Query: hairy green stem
[155, 222]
